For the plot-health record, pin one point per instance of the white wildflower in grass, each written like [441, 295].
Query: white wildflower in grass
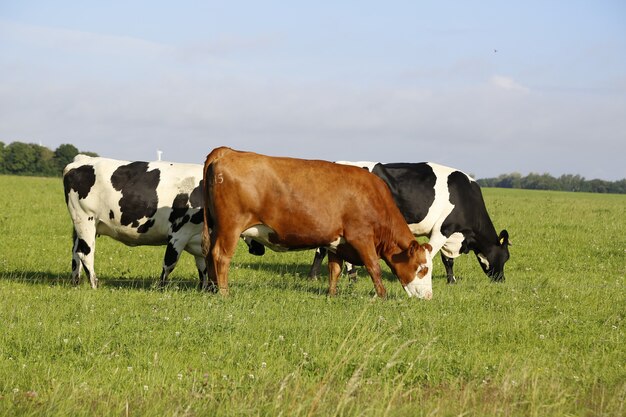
[281, 338]
[16, 390]
[177, 333]
[65, 340]
[180, 377]
[145, 388]
[129, 369]
[541, 337]
[251, 376]
[263, 365]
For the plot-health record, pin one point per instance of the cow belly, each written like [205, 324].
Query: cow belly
[129, 235]
[261, 233]
[268, 237]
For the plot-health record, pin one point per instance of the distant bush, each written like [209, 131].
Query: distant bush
[567, 182]
[19, 158]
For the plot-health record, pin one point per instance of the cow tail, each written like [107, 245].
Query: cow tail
[208, 180]
[208, 219]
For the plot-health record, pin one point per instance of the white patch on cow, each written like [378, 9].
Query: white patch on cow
[187, 185]
[452, 247]
[332, 246]
[483, 260]
[441, 207]
[261, 233]
[361, 164]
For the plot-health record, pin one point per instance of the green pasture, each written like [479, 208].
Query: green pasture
[548, 342]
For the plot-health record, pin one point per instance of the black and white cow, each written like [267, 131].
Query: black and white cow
[446, 205]
[136, 203]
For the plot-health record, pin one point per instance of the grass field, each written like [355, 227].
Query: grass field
[548, 342]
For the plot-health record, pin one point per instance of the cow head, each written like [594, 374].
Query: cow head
[414, 268]
[493, 258]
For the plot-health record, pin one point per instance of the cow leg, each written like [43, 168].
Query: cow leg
[367, 252]
[449, 264]
[77, 265]
[202, 270]
[83, 252]
[375, 272]
[222, 251]
[320, 253]
[351, 272]
[335, 264]
[172, 255]
[450, 250]
[209, 279]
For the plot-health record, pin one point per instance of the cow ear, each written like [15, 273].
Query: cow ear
[413, 247]
[428, 247]
[504, 238]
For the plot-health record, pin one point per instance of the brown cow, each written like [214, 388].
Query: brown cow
[296, 204]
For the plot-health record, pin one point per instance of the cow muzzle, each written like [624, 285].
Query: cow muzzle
[420, 287]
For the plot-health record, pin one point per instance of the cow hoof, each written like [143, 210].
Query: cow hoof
[211, 287]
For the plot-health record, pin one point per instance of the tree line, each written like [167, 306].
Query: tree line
[567, 182]
[19, 158]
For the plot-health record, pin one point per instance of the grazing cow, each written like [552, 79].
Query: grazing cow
[295, 204]
[446, 205]
[136, 203]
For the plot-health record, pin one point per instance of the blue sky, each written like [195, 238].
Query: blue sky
[490, 87]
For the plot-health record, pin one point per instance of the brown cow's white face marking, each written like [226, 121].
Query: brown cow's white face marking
[422, 284]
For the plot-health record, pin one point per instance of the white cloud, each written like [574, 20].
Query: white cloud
[507, 83]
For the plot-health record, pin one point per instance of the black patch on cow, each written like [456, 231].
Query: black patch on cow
[146, 226]
[469, 215]
[412, 187]
[171, 255]
[198, 217]
[179, 217]
[111, 215]
[79, 179]
[256, 248]
[82, 247]
[139, 197]
[196, 197]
